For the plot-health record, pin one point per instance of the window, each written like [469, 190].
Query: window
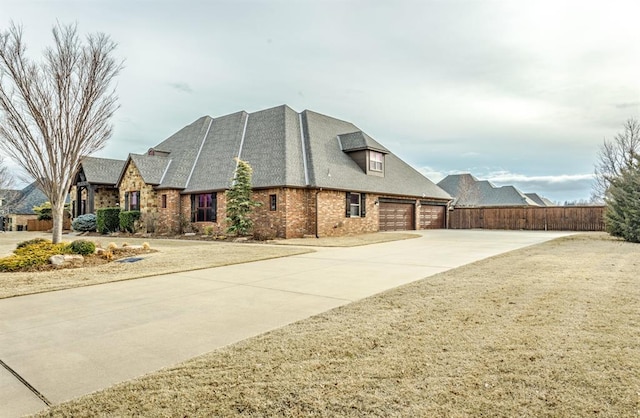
[203, 207]
[131, 201]
[356, 206]
[273, 202]
[375, 161]
[164, 201]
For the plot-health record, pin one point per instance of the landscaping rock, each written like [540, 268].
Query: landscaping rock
[60, 260]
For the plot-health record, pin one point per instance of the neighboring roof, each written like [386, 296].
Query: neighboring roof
[26, 199]
[102, 170]
[540, 200]
[469, 191]
[284, 148]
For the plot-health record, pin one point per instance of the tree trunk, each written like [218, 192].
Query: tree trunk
[57, 214]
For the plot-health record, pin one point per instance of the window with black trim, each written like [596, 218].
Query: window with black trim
[273, 202]
[376, 160]
[131, 201]
[356, 205]
[164, 201]
[203, 207]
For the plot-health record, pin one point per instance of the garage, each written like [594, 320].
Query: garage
[432, 216]
[396, 216]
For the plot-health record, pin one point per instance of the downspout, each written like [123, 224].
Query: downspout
[317, 211]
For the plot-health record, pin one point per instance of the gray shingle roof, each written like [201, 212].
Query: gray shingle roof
[102, 170]
[21, 202]
[469, 191]
[540, 200]
[356, 141]
[151, 168]
[284, 148]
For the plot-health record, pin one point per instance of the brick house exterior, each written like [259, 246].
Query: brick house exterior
[314, 175]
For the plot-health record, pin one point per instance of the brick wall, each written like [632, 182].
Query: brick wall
[332, 219]
[268, 224]
[168, 218]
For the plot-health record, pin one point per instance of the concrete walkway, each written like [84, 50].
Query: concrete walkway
[69, 343]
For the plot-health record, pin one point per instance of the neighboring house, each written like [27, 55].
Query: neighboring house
[95, 185]
[468, 191]
[16, 207]
[314, 175]
[540, 200]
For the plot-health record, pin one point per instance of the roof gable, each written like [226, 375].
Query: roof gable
[101, 170]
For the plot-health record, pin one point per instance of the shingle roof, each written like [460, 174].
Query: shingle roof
[356, 141]
[24, 200]
[540, 200]
[469, 191]
[284, 148]
[151, 168]
[102, 170]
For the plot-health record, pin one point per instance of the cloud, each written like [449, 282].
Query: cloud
[183, 87]
[505, 177]
[627, 105]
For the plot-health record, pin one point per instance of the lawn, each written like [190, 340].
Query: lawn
[550, 330]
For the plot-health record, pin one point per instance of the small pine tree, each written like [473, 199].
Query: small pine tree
[239, 203]
[622, 214]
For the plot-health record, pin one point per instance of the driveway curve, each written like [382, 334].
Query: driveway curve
[60, 345]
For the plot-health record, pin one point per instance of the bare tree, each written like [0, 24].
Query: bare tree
[7, 180]
[56, 112]
[616, 155]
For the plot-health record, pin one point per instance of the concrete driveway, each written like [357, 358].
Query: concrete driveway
[60, 345]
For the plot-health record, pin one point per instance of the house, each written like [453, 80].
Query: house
[540, 200]
[314, 175]
[16, 207]
[94, 185]
[468, 191]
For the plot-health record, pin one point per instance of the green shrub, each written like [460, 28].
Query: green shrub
[128, 220]
[32, 255]
[82, 247]
[84, 223]
[622, 213]
[107, 220]
[31, 242]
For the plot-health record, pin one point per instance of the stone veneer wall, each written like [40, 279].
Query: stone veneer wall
[132, 181]
[103, 197]
[106, 197]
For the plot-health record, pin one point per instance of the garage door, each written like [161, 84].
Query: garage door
[396, 216]
[432, 217]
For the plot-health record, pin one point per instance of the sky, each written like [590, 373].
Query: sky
[520, 93]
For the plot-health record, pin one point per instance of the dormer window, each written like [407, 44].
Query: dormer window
[375, 161]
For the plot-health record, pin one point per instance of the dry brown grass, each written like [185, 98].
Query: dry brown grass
[547, 331]
[172, 256]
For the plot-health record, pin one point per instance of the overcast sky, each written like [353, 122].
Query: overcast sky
[515, 92]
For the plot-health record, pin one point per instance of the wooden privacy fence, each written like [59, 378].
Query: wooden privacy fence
[36, 225]
[558, 218]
